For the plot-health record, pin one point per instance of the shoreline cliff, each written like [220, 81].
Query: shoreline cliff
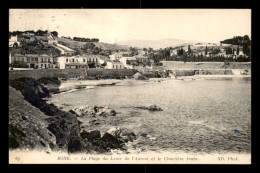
[35, 124]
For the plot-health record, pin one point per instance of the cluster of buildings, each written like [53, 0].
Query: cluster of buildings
[198, 49]
[68, 59]
[43, 61]
[114, 61]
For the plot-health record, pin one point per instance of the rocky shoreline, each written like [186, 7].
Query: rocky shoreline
[60, 130]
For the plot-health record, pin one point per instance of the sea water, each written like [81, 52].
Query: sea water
[199, 116]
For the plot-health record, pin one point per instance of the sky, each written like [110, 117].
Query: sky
[115, 25]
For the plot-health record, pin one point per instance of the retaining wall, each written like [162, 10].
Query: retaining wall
[110, 73]
[71, 73]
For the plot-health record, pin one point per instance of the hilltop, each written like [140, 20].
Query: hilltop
[104, 46]
[156, 44]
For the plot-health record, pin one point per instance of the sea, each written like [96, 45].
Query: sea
[202, 115]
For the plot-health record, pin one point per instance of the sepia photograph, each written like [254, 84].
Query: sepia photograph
[129, 86]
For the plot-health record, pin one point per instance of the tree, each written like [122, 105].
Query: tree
[189, 50]
[54, 33]
[41, 33]
[96, 50]
[89, 46]
[19, 64]
[184, 58]
[15, 46]
[180, 51]
[206, 50]
[216, 51]
[246, 50]
[228, 50]
[133, 51]
[237, 50]
[246, 40]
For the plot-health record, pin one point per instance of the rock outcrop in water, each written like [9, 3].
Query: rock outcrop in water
[245, 72]
[154, 108]
[150, 108]
[94, 111]
[139, 76]
[123, 134]
[115, 138]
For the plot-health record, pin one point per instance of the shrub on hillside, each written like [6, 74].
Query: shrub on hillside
[18, 64]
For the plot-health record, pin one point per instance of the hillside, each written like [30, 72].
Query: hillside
[156, 44]
[27, 125]
[105, 46]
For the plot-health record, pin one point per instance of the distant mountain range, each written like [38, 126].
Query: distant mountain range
[156, 44]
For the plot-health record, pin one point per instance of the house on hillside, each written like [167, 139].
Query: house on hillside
[173, 52]
[128, 62]
[142, 60]
[141, 52]
[53, 41]
[14, 40]
[28, 34]
[103, 59]
[125, 53]
[115, 56]
[114, 65]
[91, 58]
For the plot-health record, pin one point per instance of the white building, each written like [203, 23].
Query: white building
[174, 52]
[91, 58]
[72, 62]
[12, 40]
[103, 59]
[52, 41]
[114, 65]
[124, 60]
[115, 56]
[225, 45]
[241, 53]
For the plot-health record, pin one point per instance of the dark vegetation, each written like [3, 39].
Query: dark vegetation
[35, 47]
[18, 64]
[36, 33]
[238, 40]
[85, 39]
